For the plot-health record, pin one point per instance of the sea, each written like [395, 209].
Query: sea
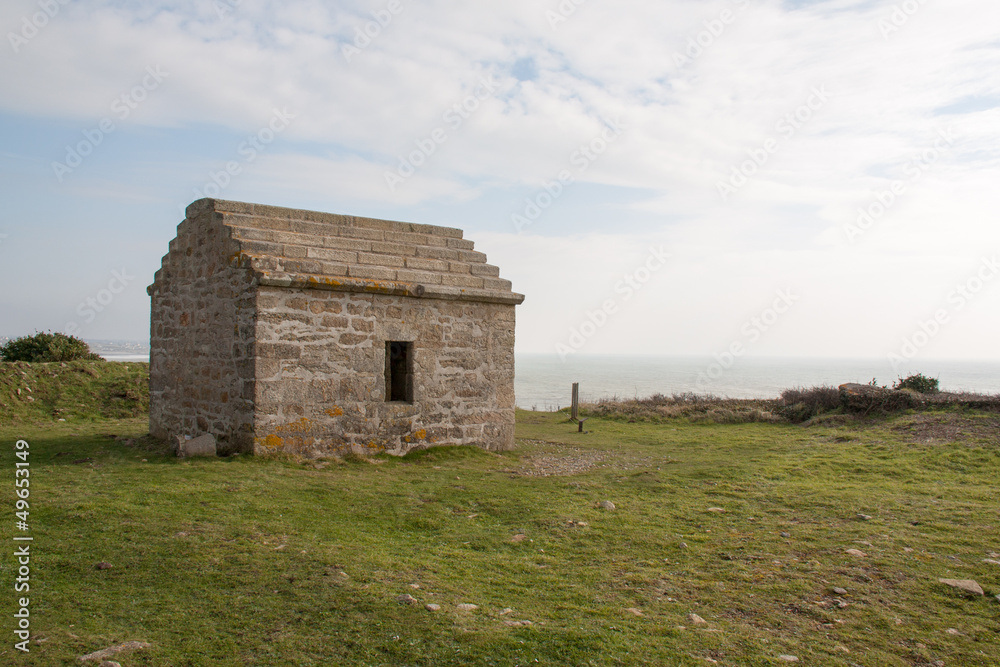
[544, 381]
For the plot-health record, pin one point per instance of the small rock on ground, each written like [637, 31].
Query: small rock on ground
[432, 607]
[103, 566]
[518, 624]
[967, 585]
[991, 561]
[468, 607]
[406, 598]
[112, 650]
[518, 538]
[864, 517]
[697, 620]
[606, 505]
[633, 610]
[839, 591]
[786, 534]
[857, 553]
[110, 663]
[717, 510]
[788, 658]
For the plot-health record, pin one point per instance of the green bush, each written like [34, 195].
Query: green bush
[919, 383]
[47, 347]
[800, 404]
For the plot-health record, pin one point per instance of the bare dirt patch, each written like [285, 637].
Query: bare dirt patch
[929, 428]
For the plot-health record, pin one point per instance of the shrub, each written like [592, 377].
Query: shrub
[800, 405]
[47, 347]
[919, 383]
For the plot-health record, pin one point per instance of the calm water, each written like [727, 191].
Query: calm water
[544, 382]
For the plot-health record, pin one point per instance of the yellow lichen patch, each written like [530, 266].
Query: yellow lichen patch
[303, 425]
[334, 411]
[273, 442]
[421, 434]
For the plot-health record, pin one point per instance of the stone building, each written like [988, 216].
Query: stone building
[275, 329]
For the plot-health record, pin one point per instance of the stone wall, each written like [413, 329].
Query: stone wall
[321, 373]
[201, 337]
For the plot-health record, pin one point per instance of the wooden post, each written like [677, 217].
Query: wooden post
[575, 410]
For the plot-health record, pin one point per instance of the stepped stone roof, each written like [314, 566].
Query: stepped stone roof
[285, 247]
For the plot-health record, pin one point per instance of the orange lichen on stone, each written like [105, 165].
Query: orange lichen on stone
[273, 442]
[334, 411]
[303, 425]
[421, 434]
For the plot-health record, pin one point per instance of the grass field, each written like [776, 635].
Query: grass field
[245, 561]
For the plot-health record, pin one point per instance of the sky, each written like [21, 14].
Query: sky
[728, 178]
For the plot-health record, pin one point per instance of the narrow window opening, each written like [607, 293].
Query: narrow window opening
[399, 372]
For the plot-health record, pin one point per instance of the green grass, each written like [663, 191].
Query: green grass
[239, 561]
[72, 390]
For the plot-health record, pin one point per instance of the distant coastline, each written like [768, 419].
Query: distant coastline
[543, 380]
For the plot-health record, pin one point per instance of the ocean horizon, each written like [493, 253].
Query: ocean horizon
[544, 381]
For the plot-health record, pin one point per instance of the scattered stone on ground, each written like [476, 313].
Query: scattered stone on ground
[839, 591]
[857, 553]
[520, 537]
[953, 631]
[606, 505]
[788, 658]
[110, 663]
[432, 607]
[518, 624]
[697, 620]
[112, 650]
[717, 510]
[201, 446]
[842, 649]
[864, 517]
[506, 610]
[468, 607]
[406, 598]
[635, 611]
[786, 534]
[991, 561]
[560, 462]
[842, 605]
[967, 585]
[415, 586]
[103, 565]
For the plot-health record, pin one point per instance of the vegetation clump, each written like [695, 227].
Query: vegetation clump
[919, 383]
[47, 347]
